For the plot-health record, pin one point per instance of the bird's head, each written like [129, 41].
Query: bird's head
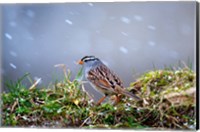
[88, 60]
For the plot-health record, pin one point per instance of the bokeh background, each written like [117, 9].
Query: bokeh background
[130, 37]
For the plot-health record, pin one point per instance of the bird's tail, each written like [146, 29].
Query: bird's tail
[130, 95]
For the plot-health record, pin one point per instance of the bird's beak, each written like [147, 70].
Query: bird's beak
[80, 62]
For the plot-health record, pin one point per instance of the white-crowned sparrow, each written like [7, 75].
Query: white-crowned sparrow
[103, 79]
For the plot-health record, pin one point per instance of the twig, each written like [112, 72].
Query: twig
[14, 105]
[85, 121]
[63, 66]
[83, 88]
[35, 84]
[185, 64]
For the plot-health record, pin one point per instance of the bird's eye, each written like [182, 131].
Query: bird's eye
[86, 60]
[90, 59]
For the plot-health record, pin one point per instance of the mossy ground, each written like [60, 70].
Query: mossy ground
[168, 102]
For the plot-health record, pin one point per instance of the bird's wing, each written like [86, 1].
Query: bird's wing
[103, 77]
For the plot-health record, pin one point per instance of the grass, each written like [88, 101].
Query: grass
[168, 102]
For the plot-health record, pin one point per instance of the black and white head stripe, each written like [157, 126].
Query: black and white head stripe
[89, 58]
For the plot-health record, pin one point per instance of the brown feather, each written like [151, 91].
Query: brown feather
[107, 81]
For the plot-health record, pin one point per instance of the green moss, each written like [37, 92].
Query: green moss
[66, 104]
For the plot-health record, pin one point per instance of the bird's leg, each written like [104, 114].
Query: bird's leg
[101, 100]
[117, 99]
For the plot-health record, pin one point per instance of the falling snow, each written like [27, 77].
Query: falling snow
[68, 21]
[8, 36]
[12, 53]
[74, 13]
[138, 18]
[151, 27]
[125, 20]
[90, 4]
[151, 43]
[123, 50]
[30, 13]
[13, 66]
[125, 34]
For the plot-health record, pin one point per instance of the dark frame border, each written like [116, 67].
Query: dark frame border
[197, 66]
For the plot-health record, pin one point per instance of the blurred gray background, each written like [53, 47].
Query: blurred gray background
[130, 37]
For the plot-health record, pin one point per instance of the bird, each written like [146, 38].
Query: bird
[103, 79]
